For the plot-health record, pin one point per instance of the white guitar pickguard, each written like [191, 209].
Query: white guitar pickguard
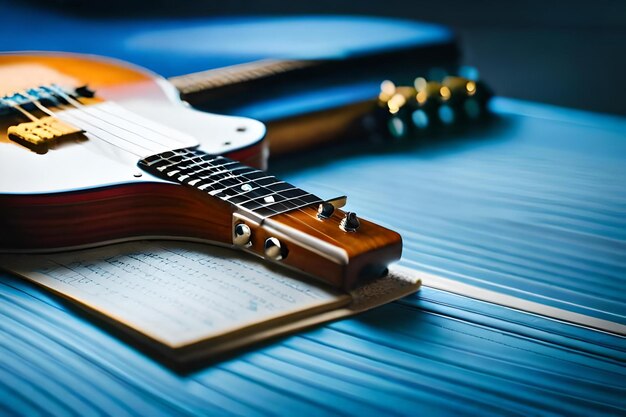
[94, 162]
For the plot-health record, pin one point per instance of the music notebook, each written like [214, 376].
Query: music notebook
[189, 302]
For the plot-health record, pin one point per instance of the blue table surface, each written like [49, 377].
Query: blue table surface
[432, 353]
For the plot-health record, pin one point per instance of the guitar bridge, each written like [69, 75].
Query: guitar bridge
[40, 134]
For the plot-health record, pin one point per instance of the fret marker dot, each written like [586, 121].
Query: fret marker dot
[246, 187]
[269, 199]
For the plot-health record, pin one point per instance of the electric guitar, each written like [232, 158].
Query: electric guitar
[95, 151]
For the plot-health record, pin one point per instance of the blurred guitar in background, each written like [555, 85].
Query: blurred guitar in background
[448, 99]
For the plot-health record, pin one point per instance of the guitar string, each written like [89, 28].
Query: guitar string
[267, 206]
[23, 111]
[301, 209]
[249, 181]
[289, 209]
[106, 110]
[49, 112]
[231, 177]
[79, 106]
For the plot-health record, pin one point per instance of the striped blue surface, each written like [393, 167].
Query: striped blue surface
[434, 353]
[532, 207]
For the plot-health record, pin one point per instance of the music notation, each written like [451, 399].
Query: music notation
[176, 293]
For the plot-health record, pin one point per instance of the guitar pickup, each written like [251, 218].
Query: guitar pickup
[40, 134]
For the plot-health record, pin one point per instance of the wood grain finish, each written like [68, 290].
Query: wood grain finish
[44, 222]
[323, 250]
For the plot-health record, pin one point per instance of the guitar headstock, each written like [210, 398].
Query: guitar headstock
[431, 105]
[322, 241]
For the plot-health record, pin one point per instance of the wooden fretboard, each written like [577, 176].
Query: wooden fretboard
[245, 187]
[236, 74]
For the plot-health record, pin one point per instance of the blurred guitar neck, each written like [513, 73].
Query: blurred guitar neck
[211, 81]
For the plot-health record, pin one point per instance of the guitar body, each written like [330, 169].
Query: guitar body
[88, 193]
[125, 159]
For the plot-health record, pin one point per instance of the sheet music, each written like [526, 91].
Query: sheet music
[174, 292]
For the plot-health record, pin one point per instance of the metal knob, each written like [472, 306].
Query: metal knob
[349, 223]
[325, 210]
[274, 250]
[242, 235]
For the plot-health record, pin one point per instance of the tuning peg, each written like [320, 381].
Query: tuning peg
[242, 235]
[274, 250]
[349, 223]
[325, 210]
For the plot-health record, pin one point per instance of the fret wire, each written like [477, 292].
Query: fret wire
[239, 184]
[248, 191]
[272, 192]
[302, 204]
[282, 201]
[226, 186]
[225, 177]
[220, 172]
[269, 195]
[202, 161]
[196, 171]
[229, 183]
[239, 195]
[231, 177]
[197, 165]
[212, 183]
[264, 187]
[163, 167]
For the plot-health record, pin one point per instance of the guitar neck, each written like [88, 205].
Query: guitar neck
[249, 189]
[213, 80]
